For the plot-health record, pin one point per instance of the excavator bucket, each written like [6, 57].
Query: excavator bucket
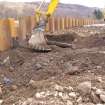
[38, 42]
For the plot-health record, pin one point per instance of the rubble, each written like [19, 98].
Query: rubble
[1, 92]
[13, 88]
[99, 79]
[69, 102]
[61, 77]
[32, 83]
[95, 99]
[58, 88]
[99, 91]
[79, 100]
[72, 94]
[1, 101]
[102, 97]
[85, 87]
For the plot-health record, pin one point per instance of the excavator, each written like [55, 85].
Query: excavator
[38, 41]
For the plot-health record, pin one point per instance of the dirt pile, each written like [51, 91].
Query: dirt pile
[31, 78]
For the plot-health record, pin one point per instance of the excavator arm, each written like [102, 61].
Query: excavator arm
[38, 41]
[50, 10]
[52, 6]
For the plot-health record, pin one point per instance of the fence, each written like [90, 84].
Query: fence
[10, 28]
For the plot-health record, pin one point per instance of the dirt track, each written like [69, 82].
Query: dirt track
[63, 66]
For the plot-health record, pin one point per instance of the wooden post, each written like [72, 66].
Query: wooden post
[57, 24]
[61, 26]
[13, 28]
[63, 23]
[53, 24]
[50, 24]
[79, 22]
[82, 21]
[22, 28]
[33, 23]
[65, 27]
[70, 22]
[28, 24]
[73, 22]
[67, 23]
[5, 37]
[76, 21]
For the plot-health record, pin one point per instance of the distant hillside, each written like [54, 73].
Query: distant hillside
[8, 9]
[75, 10]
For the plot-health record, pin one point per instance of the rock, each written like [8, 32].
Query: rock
[1, 85]
[1, 101]
[84, 88]
[38, 95]
[65, 96]
[95, 99]
[99, 91]
[29, 101]
[39, 84]
[102, 97]
[7, 81]
[44, 94]
[60, 94]
[72, 95]
[10, 99]
[94, 88]
[79, 100]
[99, 67]
[32, 83]
[11, 69]
[13, 88]
[38, 66]
[51, 58]
[69, 102]
[68, 89]
[99, 79]
[55, 94]
[1, 92]
[58, 88]
[70, 69]
[45, 64]
[6, 61]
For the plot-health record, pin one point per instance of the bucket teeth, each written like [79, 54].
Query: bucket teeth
[40, 48]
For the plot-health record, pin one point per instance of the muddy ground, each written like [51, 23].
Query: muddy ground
[63, 66]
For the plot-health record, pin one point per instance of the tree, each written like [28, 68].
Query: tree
[98, 14]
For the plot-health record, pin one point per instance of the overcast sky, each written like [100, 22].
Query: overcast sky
[90, 3]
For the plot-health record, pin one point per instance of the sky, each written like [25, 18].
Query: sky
[90, 3]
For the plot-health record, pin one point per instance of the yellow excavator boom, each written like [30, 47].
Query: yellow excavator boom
[51, 8]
